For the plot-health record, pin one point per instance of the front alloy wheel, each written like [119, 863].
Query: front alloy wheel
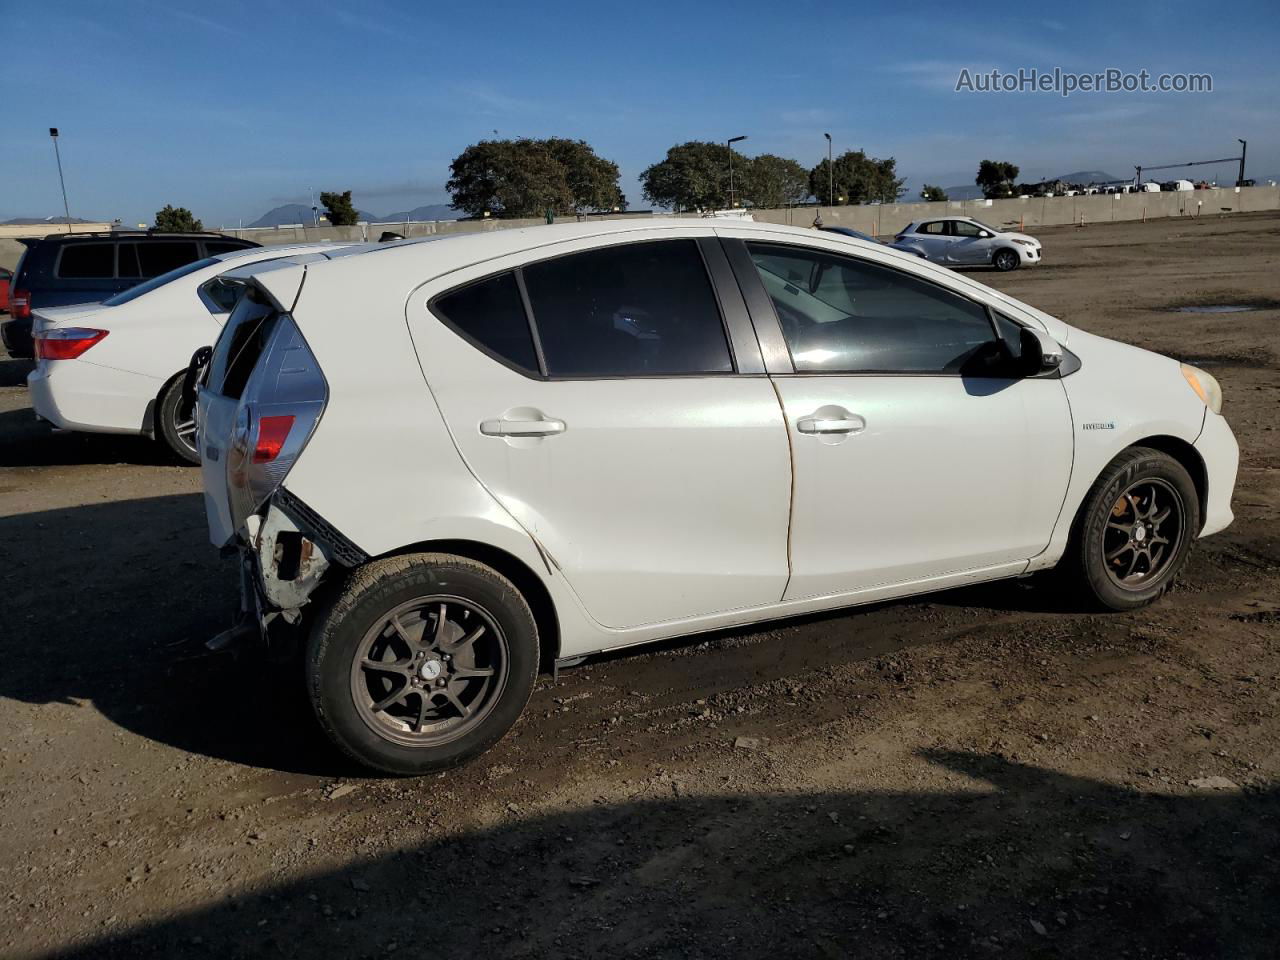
[1134, 530]
[1006, 260]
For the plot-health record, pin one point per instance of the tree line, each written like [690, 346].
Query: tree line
[556, 176]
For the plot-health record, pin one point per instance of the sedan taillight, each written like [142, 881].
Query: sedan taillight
[66, 343]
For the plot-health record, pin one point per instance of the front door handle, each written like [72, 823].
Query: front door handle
[848, 424]
[545, 427]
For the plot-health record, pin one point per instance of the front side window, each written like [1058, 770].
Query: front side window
[841, 315]
[640, 309]
[963, 228]
[87, 261]
[491, 314]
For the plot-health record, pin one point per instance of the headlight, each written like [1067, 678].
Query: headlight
[1206, 388]
[1025, 243]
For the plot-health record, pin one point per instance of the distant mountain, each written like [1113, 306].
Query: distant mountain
[32, 221]
[295, 213]
[432, 211]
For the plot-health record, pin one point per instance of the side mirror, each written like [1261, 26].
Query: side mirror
[983, 235]
[1040, 352]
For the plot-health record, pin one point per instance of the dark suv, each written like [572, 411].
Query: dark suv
[67, 268]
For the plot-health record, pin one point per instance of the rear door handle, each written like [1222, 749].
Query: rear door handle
[522, 428]
[851, 424]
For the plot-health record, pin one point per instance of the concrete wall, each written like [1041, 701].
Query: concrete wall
[880, 220]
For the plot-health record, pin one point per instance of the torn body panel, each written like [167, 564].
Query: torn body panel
[290, 561]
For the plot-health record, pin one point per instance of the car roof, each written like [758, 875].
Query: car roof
[278, 250]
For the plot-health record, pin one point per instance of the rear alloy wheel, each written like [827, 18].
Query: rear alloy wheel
[1135, 529]
[422, 662]
[1006, 260]
[176, 422]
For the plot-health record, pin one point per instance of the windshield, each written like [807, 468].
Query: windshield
[134, 292]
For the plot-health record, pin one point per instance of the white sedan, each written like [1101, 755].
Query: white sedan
[964, 241]
[117, 366]
[553, 441]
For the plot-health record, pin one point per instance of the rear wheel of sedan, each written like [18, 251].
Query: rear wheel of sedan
[1135, 529]
[1006, 260]
[421, 662]
[176, 422]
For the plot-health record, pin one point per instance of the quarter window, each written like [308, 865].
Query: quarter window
[491, 315]
[640, 309]
[841, 315]
[87, 261]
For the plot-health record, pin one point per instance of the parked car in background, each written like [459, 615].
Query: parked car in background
[5, 277]
[117, 366]
[856, 235]
[963, 241]
[66, 268]
[549, 442]
[1149, 187]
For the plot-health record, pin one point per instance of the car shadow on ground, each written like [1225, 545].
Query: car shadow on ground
[13, 373]
[126, 592]
[1013, 860]
[29, 442]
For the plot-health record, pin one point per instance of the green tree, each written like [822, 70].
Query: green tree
[338, 208]
[694, 176]
[177, 220]
[930, 192]
[526, 178]
[996, 178]
[858, 179]
[770, 181]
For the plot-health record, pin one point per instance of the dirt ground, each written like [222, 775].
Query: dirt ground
[983, 772]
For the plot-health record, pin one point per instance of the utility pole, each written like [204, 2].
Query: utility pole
[1244, 148]
[831, 174]
[53, 132]
[729, 143]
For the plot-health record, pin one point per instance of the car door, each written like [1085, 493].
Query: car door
[970, 243]
[614, 402]
[917, 455]
[933, 237]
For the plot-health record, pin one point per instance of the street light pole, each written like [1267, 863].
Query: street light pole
[1244, 148]
[729, 143]
[53, 132]
[831, 174]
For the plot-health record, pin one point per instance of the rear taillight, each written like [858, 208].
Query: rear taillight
[20, 304]
[66, 343]
[272, 433]
[281, 404]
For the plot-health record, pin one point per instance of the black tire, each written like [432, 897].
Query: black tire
[175, 422]
[1097, 557]
[400, 738]
[1006, 259]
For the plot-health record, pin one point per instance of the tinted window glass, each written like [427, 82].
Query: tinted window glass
[847, 316]
[127, 264]
[214, 247]
[963, 228]
[161, 256]
[136, 291]
[643, 309]
[935, 227]
[491, 314]
[88, 261]
[224, 293]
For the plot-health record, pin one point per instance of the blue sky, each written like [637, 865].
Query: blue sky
[234, 107]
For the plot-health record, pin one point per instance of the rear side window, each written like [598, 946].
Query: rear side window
[841, 315]
[160, 256]
[642, 309]
[155, 282]
[491, 315]
[936, 227]
[87, 261]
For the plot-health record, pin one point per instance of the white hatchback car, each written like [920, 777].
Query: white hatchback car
[553, 441]
[117, 366]
[963, 241]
